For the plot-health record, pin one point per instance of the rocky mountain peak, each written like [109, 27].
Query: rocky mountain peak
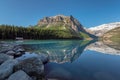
[68, 22]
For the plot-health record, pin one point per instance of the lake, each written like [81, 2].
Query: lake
[77, 60]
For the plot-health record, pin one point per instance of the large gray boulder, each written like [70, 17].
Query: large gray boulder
[19, 75]
[4, 57]
[6, 69]
[32, 66]
[44, 58]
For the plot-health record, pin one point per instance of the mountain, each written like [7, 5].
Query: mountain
[61, 22]
[65, 26]
[112, 38]
[101, 29]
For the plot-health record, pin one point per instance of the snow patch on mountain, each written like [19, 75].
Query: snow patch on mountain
[106, 26]
[100, 30]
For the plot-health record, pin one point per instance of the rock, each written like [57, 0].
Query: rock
[18, 54]
[6, 69]
[44, 58]
[4, 50]
[62, 20]
[20, 50]
[5, 45]
[4, 57]
[10, 53]
[19, 75]
[32, 66]
[17, 47]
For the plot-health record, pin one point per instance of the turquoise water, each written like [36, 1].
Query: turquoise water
[59, 51]
[77, 60]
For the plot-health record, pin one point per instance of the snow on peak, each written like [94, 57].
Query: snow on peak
[101, 29]
[106, 26]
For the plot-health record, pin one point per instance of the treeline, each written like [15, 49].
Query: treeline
[11, 32]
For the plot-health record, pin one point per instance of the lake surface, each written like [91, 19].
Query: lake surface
[77, 60]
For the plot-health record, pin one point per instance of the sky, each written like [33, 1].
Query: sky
[90, 13]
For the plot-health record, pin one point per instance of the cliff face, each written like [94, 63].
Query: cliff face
[65, 22]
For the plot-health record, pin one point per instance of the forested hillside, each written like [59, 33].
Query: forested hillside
[11, 32]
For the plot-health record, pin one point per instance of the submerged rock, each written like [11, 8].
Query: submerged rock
[32, 66]
[4, 57]
[19, 75]
[6, 69]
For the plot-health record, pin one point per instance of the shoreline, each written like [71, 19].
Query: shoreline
[9, 58]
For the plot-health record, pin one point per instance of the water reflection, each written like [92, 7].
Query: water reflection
[59, 51]
[78, 60]
[91, 65]
[101, 47]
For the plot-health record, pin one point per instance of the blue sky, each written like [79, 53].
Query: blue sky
[89, 12]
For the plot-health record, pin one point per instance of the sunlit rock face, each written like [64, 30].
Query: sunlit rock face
[101, 47]
[60, 52]
[64, 22]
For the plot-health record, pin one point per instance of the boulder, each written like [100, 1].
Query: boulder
[18, 54]
[19, 75]
[44, 58]
[4, 57]
[20, 50]
[32, 66]
[10, 53]
[6, 69]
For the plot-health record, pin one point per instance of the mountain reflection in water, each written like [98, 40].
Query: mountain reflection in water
[78, 60]
[58, 51]
[101, 47]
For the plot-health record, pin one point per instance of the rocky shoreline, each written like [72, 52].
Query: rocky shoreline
[14, 68]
